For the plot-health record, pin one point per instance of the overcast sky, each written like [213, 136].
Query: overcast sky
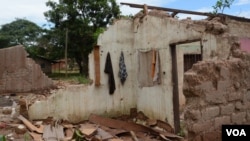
[33, 9]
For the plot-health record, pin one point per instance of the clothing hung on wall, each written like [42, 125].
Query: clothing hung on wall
[109, 70]
[122, 69]
[148, 68]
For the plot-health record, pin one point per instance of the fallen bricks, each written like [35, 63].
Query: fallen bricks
[133, 127]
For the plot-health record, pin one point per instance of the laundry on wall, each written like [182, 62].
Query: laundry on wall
[109, 70]
[148, 68]
[122, 69]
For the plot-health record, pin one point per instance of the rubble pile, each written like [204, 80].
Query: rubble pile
[133, 127]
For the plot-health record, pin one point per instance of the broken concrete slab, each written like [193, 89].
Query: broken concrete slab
[53, 133]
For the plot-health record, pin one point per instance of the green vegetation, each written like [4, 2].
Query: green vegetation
[72, 77]
[83, 20]
[2, 138]
[221, 5]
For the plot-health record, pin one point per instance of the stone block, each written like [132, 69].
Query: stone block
[238, 118]
[227, 109]
[223, 85]
[210, 113]
[225, 72]
[219, 121]
[240, 106]
[193, 114]
[248, 115]
[233, 96]
[206, 86]
[212, 136]
[215, 97]
[203, 126]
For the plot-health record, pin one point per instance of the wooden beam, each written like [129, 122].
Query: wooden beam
[168, 9]
[243, 19]
[174, 14]
[184, 42]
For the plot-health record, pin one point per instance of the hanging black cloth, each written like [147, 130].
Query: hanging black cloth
[109, 70]
[122, 69]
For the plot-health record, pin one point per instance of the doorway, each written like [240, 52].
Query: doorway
[184, 55]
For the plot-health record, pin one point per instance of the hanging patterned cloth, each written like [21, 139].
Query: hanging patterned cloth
[122, 69]
[109, 70]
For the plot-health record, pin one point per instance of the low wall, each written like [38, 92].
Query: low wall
[217, 93]
[19, 73]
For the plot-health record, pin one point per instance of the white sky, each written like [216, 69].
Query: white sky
[33, 9]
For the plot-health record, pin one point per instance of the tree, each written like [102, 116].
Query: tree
[19, 32]
[84, 19]
[221, 5]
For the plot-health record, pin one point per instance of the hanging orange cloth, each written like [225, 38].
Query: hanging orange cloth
[153, 63]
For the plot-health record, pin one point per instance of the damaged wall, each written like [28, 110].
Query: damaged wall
[217, 93]
[19, 73]
[133, 37]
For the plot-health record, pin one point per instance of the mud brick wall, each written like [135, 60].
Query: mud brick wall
[217, 92]
[19, 73]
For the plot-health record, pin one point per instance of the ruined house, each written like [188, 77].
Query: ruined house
[18, 73]
[156, 48]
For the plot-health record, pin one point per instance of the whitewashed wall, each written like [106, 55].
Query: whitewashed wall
[76, 103]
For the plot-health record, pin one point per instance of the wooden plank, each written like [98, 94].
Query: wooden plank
[175, 89]
[118, 124]
[30, 126]
[165, 126]
[36, 137]
[97, 65]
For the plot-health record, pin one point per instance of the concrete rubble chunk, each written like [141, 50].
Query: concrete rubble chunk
[53, 133]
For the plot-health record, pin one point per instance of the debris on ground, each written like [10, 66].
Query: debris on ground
[133, 127]
[16, 126]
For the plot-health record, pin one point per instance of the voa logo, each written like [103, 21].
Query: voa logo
[236, 132]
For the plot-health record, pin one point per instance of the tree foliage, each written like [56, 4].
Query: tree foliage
[221, 5]
[19, 32]
[84, 19]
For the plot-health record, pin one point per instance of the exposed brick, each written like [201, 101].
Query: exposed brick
[224, 72]
[248, 115]
[212, 136]
[210, 113]
[202, 126]
[215, 98]
[20, 75]
[193, 114]
[196, 138]
[235, 96]
[220, 121]
[206, 86]
[240, 106]
[227, 109]
[239, 118]
[247, 95]
[223, 85]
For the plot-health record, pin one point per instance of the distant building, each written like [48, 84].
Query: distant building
[45, 64]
